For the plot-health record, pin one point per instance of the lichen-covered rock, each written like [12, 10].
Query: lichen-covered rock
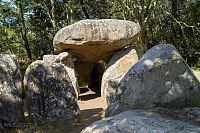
[117, 68]
[92, 40]
[160, 78]
[11, 109]
[68, 61]
[141, 121]
[49, 92]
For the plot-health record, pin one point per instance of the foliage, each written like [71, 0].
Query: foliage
[28, 26]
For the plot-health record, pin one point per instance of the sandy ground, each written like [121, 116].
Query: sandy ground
[92, 109]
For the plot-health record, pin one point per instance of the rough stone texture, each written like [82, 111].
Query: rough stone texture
[160, 78]
[141, 121]
[117, 68]
[90, 74]
[49, 92]
[92, 40]
[10, 89]
[49, 58]
[68, 61]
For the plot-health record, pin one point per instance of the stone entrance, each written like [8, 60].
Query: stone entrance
[90, 41]
[90, 75]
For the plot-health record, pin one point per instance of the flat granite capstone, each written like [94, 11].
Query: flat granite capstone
[92, 40]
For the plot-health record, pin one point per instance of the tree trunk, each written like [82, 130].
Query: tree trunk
[84, 9]
[23, 30]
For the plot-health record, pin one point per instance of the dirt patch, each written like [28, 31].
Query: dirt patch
[92, 109]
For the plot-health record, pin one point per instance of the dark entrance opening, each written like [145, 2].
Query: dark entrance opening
[89, 79]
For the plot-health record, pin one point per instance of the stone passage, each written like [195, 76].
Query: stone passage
[90, 75]
[91, 41]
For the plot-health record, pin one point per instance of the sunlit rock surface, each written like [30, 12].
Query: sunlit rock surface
[68, 61]
[10, 90]
[93, 40]
[117, 68]
[49, 92]
[141, 121]
[197, 74]
[160, 78]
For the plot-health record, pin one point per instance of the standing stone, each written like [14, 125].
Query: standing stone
[141, 121]
[118, 66]
[160, 78]
[49, 92]
[11, 109]
[68, 61]
[92, 40]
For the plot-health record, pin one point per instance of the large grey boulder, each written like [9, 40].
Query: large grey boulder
[92, 40]
[11, 109]
[49, 92]
[160, 78]
[141, 121]
[68, 61]
[117, 68]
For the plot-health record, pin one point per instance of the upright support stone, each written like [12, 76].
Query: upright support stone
[11, 109]
[49, 92]
[118, 66]
[68, 61]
